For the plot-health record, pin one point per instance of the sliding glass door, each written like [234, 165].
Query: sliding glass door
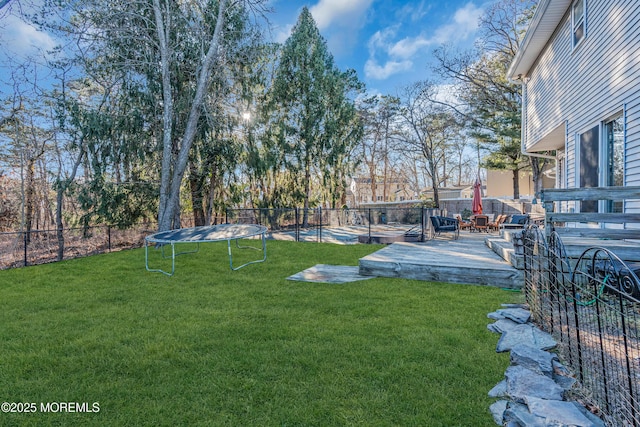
[589, 161]
[614, 160]
[601, 162]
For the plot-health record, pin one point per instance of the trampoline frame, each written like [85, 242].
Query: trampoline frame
[163, 241]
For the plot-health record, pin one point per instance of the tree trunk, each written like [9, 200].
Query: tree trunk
[171, 177]
[434, 184]
[165, 214]
[62, 188]
[196, 187]
[29, 197]
[516, 184]
[59, 225]
[307, 194]
[537, 166]
[211, 196]
[372, 177]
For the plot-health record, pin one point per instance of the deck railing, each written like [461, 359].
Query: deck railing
[569, 212]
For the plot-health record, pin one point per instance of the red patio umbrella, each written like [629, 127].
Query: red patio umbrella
[476, 203]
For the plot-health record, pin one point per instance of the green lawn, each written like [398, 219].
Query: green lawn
[247, 348]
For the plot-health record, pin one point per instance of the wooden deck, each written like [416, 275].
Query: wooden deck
[475, 258]
[467, 260]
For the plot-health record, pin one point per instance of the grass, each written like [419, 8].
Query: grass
[214, 347]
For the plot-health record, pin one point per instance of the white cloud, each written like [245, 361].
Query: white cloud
[381, 40]
[400, 54]
[413, 12]
[382, 72]
[465, 23]
[23, 39]
[408, 47]
[282, 33]
[346, 13]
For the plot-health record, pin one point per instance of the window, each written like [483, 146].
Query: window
[601, 158]
[589, 146]
[578, 21]
[614, 159]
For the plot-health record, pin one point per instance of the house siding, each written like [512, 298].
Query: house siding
[587, 85]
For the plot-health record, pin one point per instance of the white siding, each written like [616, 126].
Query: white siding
[589, 84]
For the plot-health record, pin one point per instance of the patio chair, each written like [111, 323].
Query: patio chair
[495, 225]
[481, 223]
[462, 224]
[443, 224]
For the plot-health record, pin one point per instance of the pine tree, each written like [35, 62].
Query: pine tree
[317, 123]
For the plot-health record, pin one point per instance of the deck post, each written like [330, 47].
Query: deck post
[548, 210]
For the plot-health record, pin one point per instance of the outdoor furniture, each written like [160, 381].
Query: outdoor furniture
[495, 225]
[516, 221]
[462, 224]
[443, 224]
[480, 223]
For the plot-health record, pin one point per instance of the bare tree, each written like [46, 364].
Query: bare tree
[172, 50]
[429, 129]
[175, 159]
[379, 115]
[490, 103]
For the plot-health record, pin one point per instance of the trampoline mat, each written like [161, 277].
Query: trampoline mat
[210, 233]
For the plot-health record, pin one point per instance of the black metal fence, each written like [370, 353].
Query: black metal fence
[590, 305]
[320, 223]
[19, 249]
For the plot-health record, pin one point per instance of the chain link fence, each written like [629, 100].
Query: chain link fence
[346, 226]
[20, 249]
[364, 225]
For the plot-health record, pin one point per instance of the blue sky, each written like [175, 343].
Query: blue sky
[388, 42]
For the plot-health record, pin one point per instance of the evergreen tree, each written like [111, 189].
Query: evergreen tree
[317, 125]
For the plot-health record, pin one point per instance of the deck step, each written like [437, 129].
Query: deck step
[508, 234]
[505, 250]
[451, 261]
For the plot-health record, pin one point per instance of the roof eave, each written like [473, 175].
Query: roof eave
[548, 15]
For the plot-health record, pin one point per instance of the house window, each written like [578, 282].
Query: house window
[614, 159]
[578, 21]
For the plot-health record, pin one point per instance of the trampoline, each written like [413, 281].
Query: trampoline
[206, 234]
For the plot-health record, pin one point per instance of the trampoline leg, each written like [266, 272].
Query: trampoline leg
[230, 256]
[158, 270]
[264, 253]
